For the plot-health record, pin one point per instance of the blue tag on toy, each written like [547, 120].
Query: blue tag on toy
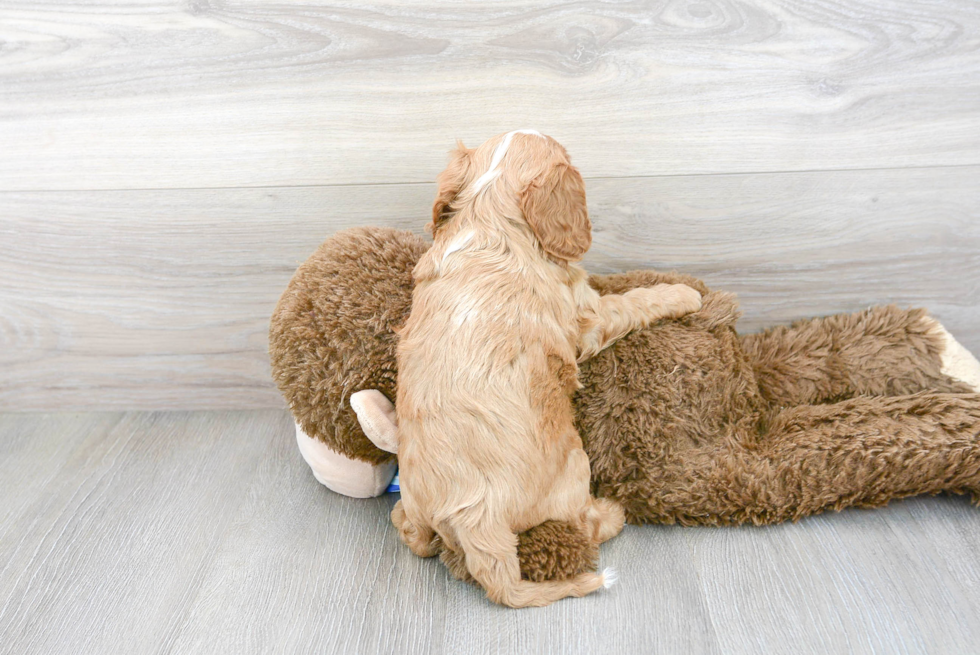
[393, 487]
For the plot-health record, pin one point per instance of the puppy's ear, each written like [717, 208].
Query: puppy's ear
[554, 206]
[450, 183]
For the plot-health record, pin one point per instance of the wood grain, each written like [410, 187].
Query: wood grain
[33, 450]
[302, 569]
[799, 245]
[868, 573]
[226, 94]
[656, 607]
[153, 298]
[204, 532]
[161, 299]
[113, 547]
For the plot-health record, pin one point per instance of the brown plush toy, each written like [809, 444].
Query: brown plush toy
[684, 421]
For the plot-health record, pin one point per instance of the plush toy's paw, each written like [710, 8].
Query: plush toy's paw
[376, 415]
[342, 474]
[957, 362]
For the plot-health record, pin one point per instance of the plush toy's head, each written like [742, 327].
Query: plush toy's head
[332, 333]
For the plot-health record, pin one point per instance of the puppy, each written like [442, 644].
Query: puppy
[488, 360]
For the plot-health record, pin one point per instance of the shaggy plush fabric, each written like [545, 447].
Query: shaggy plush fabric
[332, 332]
[684, 421]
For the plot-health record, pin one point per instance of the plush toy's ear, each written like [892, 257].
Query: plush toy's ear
[376, 415]
[554, 206]
[450, 183]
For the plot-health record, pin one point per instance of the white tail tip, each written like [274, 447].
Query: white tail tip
[609, 577]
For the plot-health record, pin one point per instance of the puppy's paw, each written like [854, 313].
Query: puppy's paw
[421, 540]
[677, 300]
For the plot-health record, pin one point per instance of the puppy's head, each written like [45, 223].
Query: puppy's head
[520, 172]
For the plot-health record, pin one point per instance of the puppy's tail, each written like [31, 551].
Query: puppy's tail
[491, 557]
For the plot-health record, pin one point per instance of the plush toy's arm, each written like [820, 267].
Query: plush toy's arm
[605, 319]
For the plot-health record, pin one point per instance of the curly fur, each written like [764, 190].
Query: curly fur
[487, 364]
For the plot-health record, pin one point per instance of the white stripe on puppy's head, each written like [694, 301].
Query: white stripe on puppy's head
[498, 156]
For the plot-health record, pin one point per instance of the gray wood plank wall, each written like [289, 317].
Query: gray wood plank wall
[165, 166]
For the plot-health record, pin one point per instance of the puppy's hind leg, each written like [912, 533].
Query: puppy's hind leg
[420, 538]
[570, 500]
[606, 518]
[491, 558]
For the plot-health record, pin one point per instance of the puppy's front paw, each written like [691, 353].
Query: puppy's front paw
[680, 299]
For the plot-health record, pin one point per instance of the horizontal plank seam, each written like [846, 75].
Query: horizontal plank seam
[429, 182]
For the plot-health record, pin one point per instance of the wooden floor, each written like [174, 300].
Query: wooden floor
[204, 532]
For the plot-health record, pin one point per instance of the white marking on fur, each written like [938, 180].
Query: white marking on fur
[458, 244]
[957, 362]
[465, 310]
[609, 577]
[467, 315]
[498, 156]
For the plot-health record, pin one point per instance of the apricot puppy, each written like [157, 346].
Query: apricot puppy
[488, 360]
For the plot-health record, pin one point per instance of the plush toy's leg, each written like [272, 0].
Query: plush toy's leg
[884, 351]
[957, 362]
[342, 474]
[864, 452]
[554, 550]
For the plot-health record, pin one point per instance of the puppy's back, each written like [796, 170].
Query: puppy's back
[486, 363]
